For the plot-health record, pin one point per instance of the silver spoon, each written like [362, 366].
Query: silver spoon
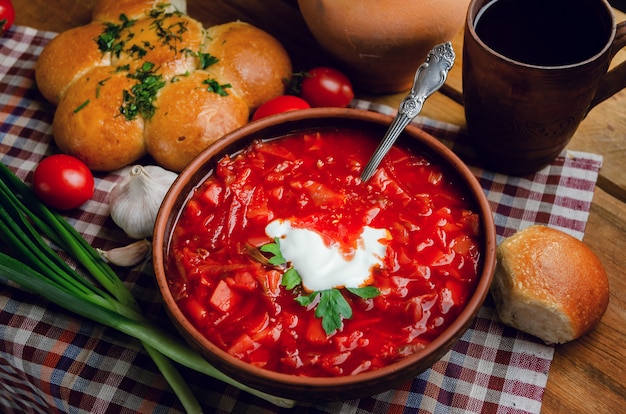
[428, 79]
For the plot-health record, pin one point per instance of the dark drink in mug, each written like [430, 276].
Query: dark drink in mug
[532, 69]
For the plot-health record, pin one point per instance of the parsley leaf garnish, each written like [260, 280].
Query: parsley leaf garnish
[214, 86]
[100, 85]
[137, 51]
[366, 292]
[140, 99]
[177, 78]
[206, 60]
[274, 249]
[110, 39]
[291, 279]
[332, 307]
[169, 33]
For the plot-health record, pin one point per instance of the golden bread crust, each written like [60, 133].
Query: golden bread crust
[68, 56]
[110, 10]
[190, 117]
[170, 42]
[87, 123]
[253, 62]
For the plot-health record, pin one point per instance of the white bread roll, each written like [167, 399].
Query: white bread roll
[549, 284]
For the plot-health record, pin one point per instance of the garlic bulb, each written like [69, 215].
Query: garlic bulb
[129, 255]
[135, 201]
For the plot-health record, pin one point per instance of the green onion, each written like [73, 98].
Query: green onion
[25, 221]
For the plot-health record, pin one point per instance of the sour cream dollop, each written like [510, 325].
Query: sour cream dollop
[324, 267]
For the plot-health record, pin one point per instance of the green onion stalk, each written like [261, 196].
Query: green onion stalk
[26, 223]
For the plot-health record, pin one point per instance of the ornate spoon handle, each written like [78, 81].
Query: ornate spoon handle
[430, 76]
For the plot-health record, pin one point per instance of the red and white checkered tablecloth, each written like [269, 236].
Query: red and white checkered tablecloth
[53, 362]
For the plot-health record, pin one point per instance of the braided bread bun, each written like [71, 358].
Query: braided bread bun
[145, 78]
[109, 10]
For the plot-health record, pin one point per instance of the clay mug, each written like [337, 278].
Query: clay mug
[532, 70]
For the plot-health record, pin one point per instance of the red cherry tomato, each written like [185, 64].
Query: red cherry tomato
[7, 15]
[326, 87]
[283, 103]
[63, 182]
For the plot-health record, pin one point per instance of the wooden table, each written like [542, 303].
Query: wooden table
[586, 375]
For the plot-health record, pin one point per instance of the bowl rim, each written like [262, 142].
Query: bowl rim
[433, 350]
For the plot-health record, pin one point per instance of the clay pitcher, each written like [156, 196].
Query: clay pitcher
[381, 43]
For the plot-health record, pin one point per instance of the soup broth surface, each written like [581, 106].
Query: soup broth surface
[239, 302]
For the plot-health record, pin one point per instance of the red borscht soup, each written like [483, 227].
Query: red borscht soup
[283, 301]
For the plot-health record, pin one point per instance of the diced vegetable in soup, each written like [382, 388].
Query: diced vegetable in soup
[286, 260]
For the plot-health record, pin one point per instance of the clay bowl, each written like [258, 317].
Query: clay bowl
[381, 43]
[313, 389]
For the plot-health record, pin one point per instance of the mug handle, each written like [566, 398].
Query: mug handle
[614, 80]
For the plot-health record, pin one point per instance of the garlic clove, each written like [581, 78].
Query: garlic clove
[129, 255]
[135, 201]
